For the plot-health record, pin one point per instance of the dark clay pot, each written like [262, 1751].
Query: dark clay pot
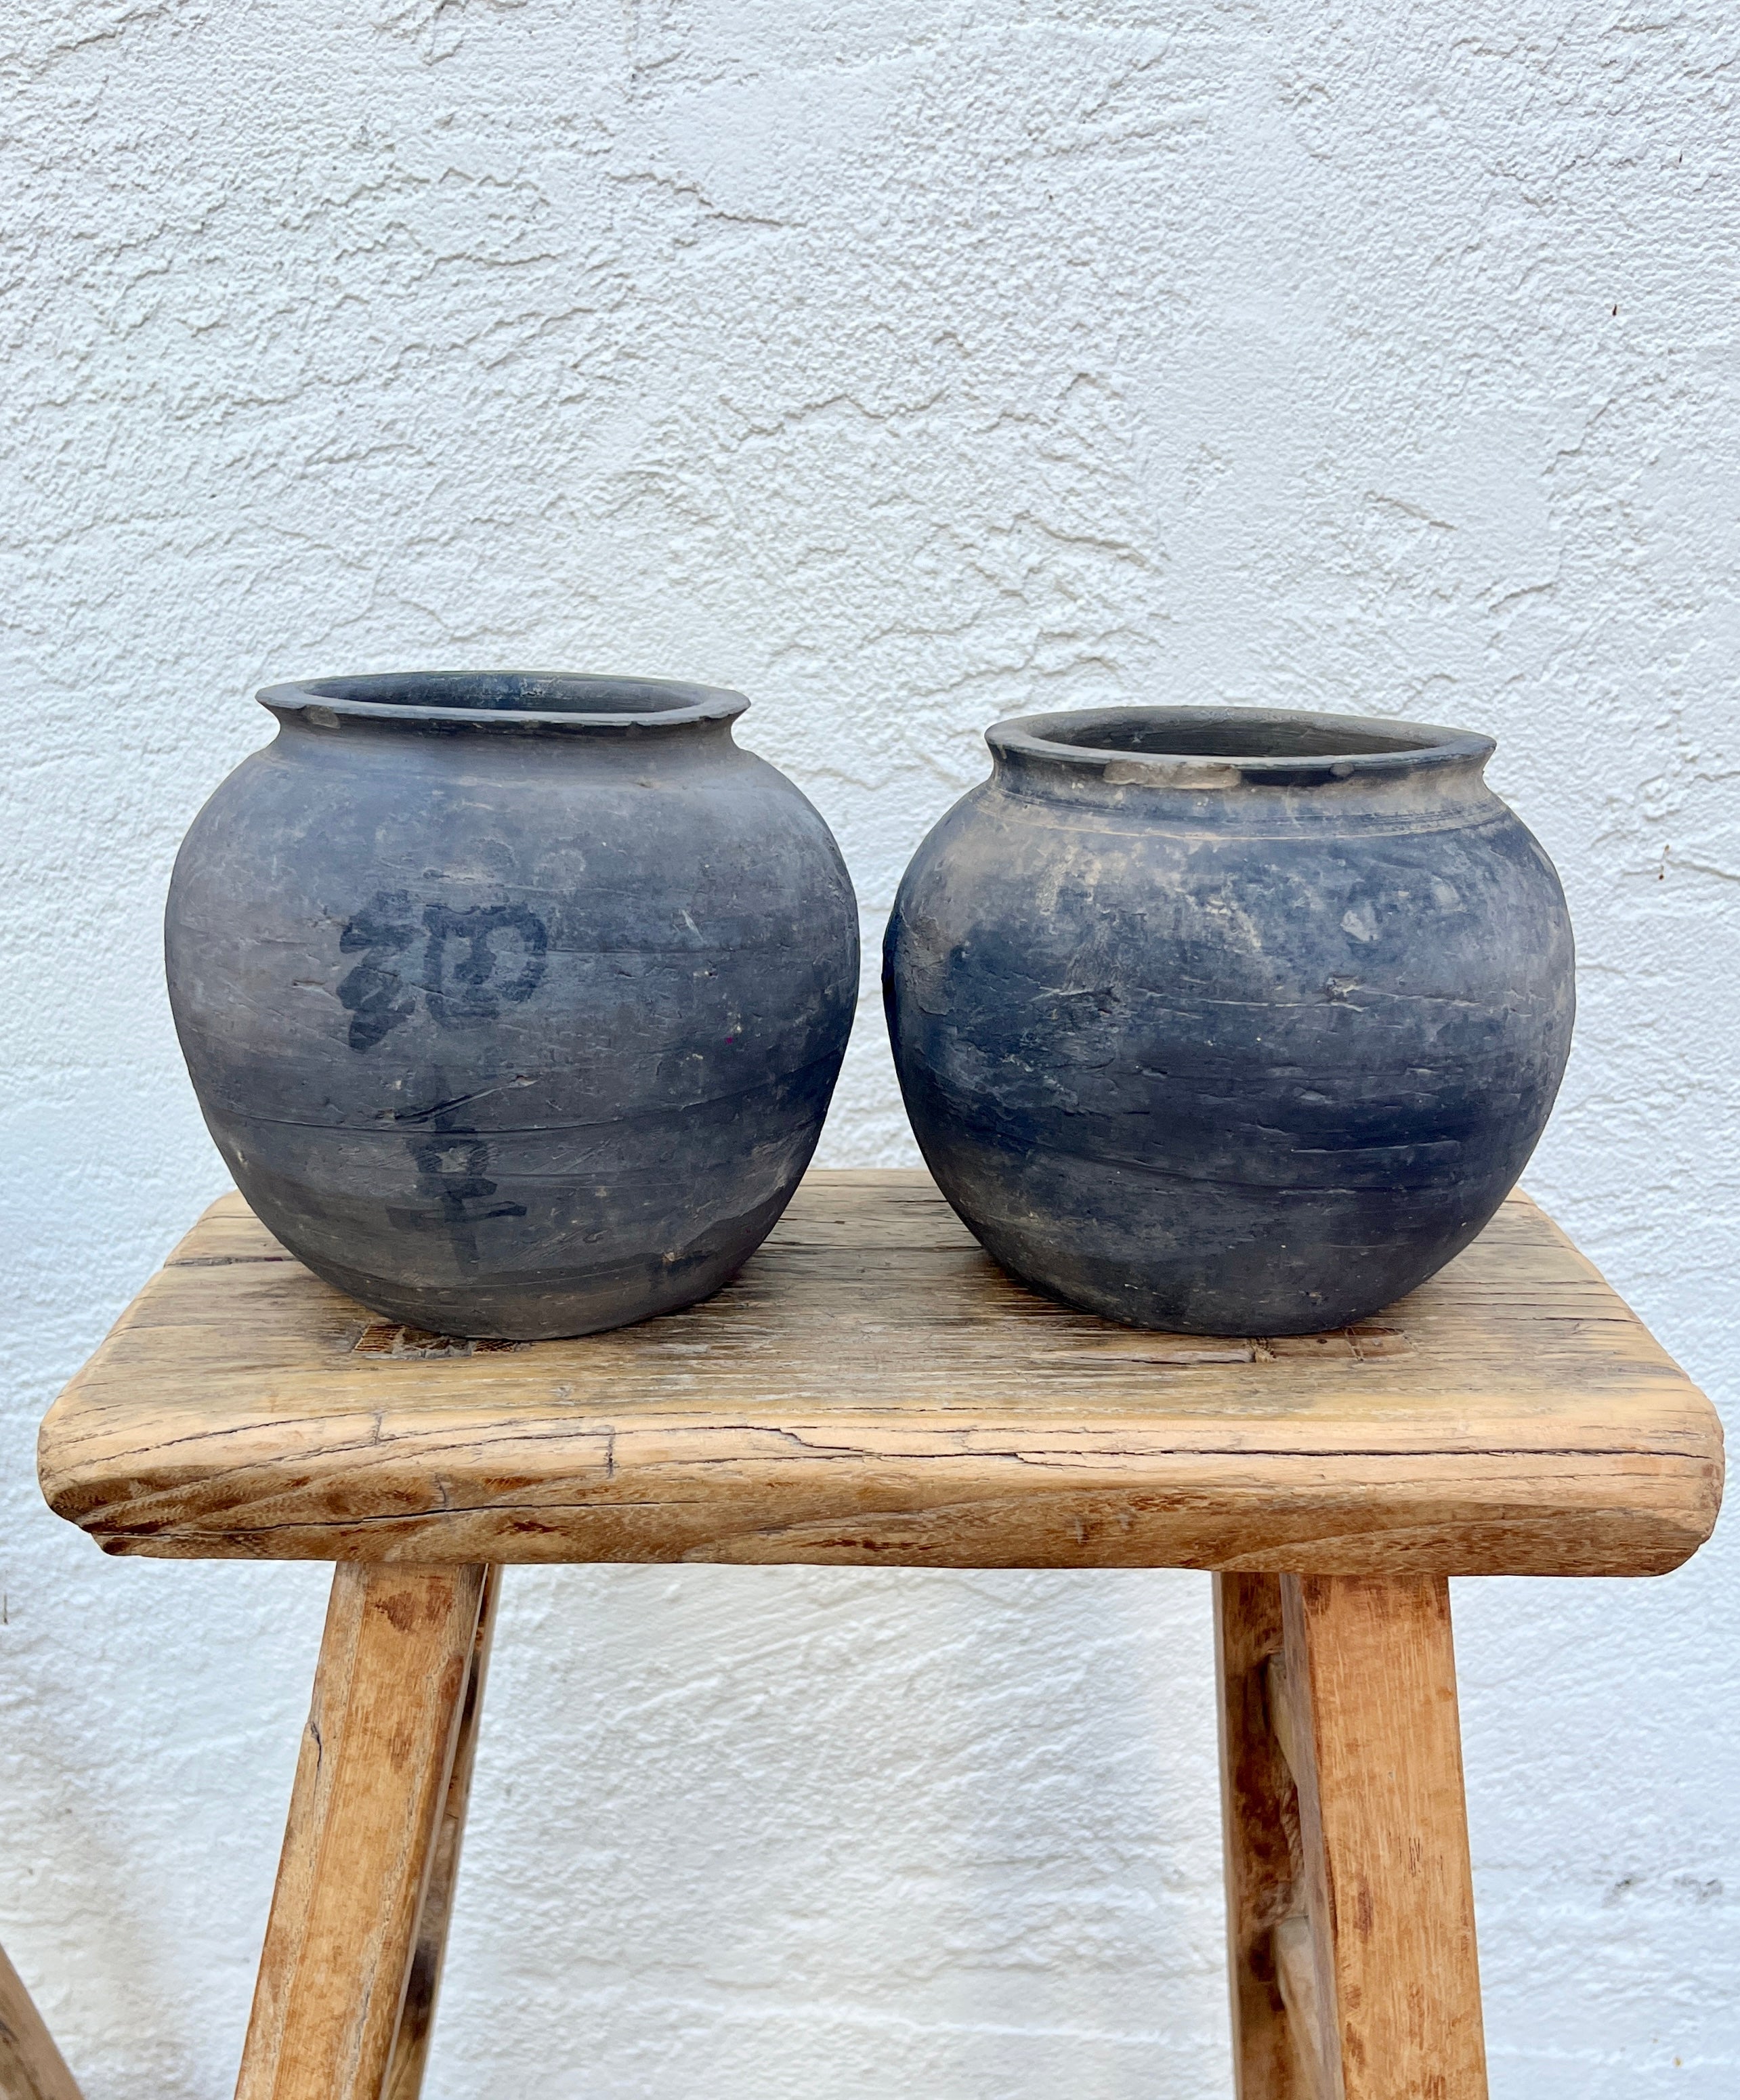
[1229, 1020]
[512, 1001]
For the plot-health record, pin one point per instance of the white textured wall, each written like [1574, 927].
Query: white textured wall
[905, 365]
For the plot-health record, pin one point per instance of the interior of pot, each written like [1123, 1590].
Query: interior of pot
[1251, 733]
[513, 692]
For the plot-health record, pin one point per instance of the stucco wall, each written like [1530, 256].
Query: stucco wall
[904, 365]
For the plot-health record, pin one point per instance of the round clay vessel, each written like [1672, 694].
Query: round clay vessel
[1229, 1020]
[513, 1000]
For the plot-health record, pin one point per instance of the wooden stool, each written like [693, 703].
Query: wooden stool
[872, 1392]
[31, 2067]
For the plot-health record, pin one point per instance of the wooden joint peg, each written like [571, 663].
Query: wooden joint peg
[373, 1791]
[1393, 1983]
[31, 2067]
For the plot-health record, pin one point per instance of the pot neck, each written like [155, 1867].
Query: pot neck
[1245, 769]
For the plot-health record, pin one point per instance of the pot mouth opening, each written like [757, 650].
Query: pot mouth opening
[557, 699]
[1277, 745]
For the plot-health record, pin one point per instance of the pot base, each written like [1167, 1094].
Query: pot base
[558, 1305]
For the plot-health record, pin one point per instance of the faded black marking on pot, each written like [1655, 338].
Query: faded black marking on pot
[372, 993]
[463, 976]
[461, 960]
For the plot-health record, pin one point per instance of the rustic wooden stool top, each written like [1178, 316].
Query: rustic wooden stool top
[872, 1391]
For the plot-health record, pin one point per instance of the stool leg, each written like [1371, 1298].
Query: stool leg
[31, 2067]
[1264, 1864]
[371, 1785]
[404, 2078]
[1370, 1727]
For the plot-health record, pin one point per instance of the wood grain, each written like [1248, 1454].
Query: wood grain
[1295, 1959]
[31, 2067]
[371, 1785]
[1395, 1985]
[872, 1390]
[404, 2077]
[1260, 1823]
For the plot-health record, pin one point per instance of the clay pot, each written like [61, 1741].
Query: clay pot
[513, 1001]
[1229, 1020]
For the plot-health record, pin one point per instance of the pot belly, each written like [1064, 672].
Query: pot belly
[513, 1054]
[1244, 1086]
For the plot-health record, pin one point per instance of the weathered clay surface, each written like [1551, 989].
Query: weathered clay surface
[1229, 1020]
[514, 1003]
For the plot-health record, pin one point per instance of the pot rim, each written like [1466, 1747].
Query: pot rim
[1395, 745]
[367, 695]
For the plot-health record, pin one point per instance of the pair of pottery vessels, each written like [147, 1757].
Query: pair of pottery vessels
[515, 1002]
